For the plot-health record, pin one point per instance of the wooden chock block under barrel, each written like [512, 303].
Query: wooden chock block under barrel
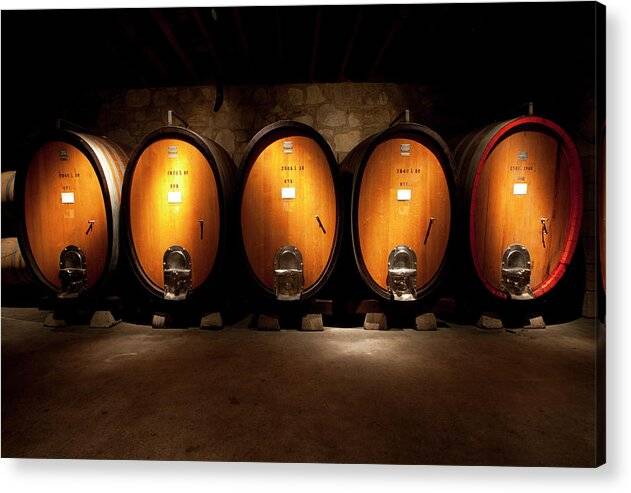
[211, 321]
[490, 321]
[426, 321]
[267, 322]
[103, 319]
[312, 322]
[536, 322]
[375, 321]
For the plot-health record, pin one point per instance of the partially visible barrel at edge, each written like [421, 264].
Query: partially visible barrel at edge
[14, 269]
[602, 208]
[9, 218]
[67, 199]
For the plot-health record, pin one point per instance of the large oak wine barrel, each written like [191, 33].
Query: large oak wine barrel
[177, 198]
[290, 211]
[9, 219]
[68, 197]
[8, 181]
[14, 269]
[522, 189]
[401, 207]
[602, 208]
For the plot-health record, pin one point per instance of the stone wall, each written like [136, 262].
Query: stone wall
[585, 136]
[344, 114]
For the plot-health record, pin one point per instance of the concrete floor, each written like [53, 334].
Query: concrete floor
[455, 396]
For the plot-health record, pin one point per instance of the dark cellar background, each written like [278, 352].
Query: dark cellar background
[346, 70]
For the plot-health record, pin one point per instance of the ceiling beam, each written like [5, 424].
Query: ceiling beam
[395, 27]
[350, 44]
[147, 52]
[316, 44]
[167, 31]
[243, 40]
[279, 40]
[201, 26]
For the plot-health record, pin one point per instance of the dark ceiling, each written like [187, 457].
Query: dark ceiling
[52, 60]
[397, 43]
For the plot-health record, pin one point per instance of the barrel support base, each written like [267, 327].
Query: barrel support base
[426, 322]
[375, 321]
[490, 321]
[159, 321]
[535, 322]
[307, 316]
[211, 321]
[267, 322]
[312, 322]
[103, 319]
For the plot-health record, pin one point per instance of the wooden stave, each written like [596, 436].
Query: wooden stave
[471, 150]
[8, 182]
[9, 216]
[226, 175]
[15, 272]
[260, 140]
[353, 166]
[108, 161]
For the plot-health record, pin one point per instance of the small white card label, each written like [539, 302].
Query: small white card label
[288, 193]
[520, 188]
[67, 197]
[174, 197]
[288, 147]
[404, 194]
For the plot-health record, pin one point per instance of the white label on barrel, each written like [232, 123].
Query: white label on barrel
[174, 197]
[404, 194]
[288, 193]
[288, 147]
[520, 188]
[172, 151]
[67, 197]
[406, 149]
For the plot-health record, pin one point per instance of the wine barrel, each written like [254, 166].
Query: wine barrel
[522, 192]
[68, 197]
[602, 208]
[177, 196]
[8, 181]
[14, 269]
[290, 212]
[401, 207]
[9, 219]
